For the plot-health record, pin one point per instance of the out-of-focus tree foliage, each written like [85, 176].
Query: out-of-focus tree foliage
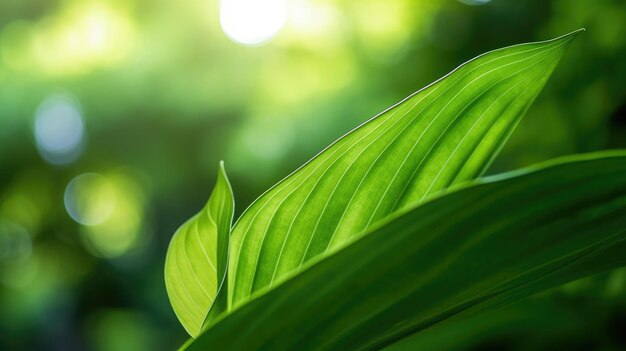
[163, 95]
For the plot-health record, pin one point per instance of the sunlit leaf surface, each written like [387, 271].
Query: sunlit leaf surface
[196, 262]
[444, 134]
[469, 250]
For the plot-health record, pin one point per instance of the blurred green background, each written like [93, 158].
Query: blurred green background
[115, 113]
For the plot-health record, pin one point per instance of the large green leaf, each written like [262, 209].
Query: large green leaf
[469, 250]
[197, 258]
[444, 134]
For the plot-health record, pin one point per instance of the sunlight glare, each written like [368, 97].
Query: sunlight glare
[252, 22]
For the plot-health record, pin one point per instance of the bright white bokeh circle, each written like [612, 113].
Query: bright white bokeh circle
[252, 22]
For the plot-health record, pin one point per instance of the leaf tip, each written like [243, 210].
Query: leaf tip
[221, 170]
[221, 174]
[572, 35]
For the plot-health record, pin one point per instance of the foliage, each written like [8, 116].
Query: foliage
[387, 231]
[162, 92]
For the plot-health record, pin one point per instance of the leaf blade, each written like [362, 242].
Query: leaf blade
[387, 164]
[197, 258]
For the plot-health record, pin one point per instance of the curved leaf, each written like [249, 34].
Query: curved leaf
[197, 258]
[468, 250]
[444, 134]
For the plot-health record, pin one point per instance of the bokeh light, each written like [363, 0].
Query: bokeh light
[84, 36]
[111, 209]
[90, 199]
[252, 22]
[59, 129]
[80, 37]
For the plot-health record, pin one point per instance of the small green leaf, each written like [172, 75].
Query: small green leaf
[463, 252]
[442, 135]
[197, 258]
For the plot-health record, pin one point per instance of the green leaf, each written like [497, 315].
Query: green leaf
[442, 135]
[466, 251]
[197, 258]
